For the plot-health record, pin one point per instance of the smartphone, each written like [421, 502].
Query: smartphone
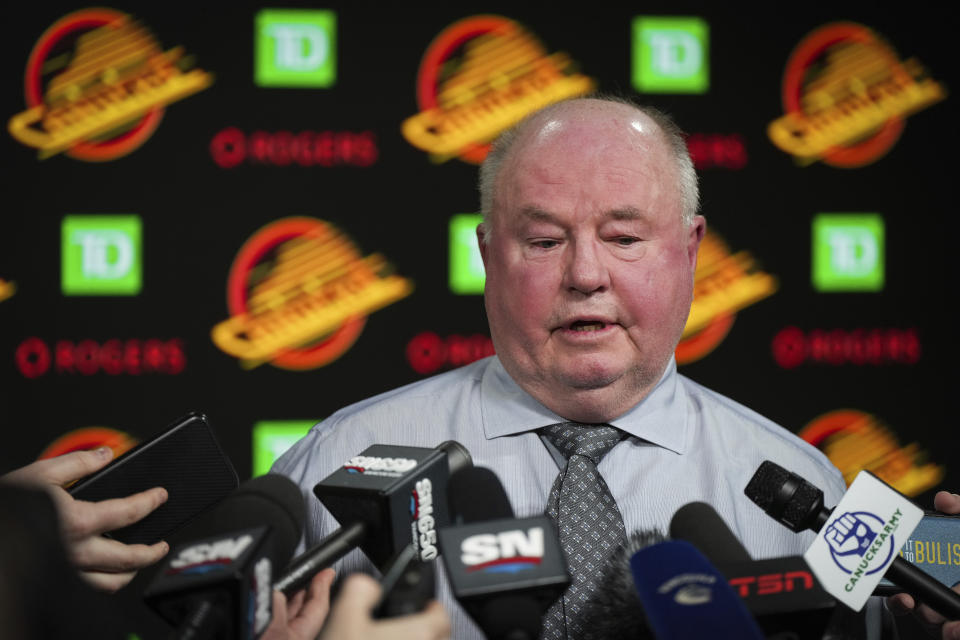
[934, 548]
[185, 459]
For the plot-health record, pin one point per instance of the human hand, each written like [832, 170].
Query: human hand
[302, 617]
[351, 617]
[903, 603]
[106, 564]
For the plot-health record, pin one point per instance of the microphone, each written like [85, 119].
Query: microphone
[781, 594]
[385, 499]
[219, 583]
[684, 596]
[504, 571]
[798, 505]
[615, 609]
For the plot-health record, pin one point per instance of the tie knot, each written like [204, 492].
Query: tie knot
[592, 441]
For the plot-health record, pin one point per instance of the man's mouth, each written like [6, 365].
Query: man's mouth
[587, 325]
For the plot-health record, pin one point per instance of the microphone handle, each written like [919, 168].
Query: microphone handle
[302, 569]
[944, 601]
[925, 588]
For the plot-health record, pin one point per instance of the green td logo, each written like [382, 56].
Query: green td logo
[466, 272]
[295, 48]
[101, 255]
[848, 252]
[670, 55]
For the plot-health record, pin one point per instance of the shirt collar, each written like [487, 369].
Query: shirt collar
[660, 418]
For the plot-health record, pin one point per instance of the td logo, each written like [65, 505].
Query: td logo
[848, 252]
[101, 255]
[295, 48]
[670, 55]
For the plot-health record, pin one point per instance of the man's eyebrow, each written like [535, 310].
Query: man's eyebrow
[627, 213]
[538, 215]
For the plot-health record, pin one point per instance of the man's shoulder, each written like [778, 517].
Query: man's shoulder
[416, 414]
[747, 436]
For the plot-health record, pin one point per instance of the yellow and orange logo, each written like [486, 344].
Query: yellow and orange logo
[96, 84]
[90, 438]
[298, 294]
[846, 94]
[854, 441]
[7, 289]
[724, 283]
[482, 75]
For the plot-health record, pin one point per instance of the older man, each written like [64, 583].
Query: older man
[590, 244]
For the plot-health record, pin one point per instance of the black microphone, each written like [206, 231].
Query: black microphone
[798, 505]
[504, 571]
[782, 594]
[219, 585]
[615, 609]
[385, 499]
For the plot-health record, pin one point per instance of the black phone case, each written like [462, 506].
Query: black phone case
[185, 459]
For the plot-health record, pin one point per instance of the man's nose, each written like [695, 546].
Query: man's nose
[586, 271]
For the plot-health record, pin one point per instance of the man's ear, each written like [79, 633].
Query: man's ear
[483, 235]
[695, 232]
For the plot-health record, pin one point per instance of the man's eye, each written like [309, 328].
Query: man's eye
[545, 244]
[626, 241]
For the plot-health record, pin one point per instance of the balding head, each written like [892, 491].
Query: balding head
[620, 112]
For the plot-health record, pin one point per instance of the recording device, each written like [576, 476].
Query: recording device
[385, 499]
[408, 584]
[504, 571]
[798, 505]
[185, 459]
[683, 595]
[933, 547]
[782, 594]
[219, 585]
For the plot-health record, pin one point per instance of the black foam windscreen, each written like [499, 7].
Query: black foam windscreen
[785, 496]
[269, 499]
[615, 610]
[699, 524]
[475, 494]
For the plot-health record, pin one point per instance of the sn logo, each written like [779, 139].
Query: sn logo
[486, 550]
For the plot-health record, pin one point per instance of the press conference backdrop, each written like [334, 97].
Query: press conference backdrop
[267, 212]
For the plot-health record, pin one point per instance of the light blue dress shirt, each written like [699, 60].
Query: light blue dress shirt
[688, 444]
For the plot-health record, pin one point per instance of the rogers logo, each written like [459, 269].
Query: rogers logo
[428, 353]
[717, 151]
[232, 147]
[793, 347]
[34, 357]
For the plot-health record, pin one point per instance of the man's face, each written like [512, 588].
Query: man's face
[589, 266]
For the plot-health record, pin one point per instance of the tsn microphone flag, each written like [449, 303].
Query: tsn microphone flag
[861, 538]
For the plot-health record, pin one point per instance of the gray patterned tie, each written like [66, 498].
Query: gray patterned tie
[590, 524]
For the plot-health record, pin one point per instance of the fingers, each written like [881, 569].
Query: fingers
[99, 554]
[63, 469]
[900, 604]
[277, 629]
[81, 519]
[359, 595]
[110, 582]
[311, 616]
[430, 624]
[951, 630]
[946, 502]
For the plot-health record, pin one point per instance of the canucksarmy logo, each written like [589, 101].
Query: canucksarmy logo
[96, 85]
[504, 552]
[375, 466]
[858, 539]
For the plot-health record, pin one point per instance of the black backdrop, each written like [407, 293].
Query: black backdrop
[196, 216]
